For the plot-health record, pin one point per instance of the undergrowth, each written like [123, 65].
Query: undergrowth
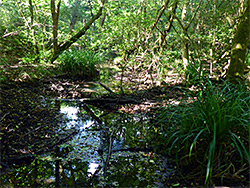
[80, 63]
[212, 134]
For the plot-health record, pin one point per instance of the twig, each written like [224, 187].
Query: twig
[105, 87]
[33, 130]
[4, 116]
[91, 113]
[108, 155]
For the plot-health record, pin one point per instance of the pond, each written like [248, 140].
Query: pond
[103, 149]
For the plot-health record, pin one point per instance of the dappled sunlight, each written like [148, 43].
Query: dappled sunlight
[124, 93]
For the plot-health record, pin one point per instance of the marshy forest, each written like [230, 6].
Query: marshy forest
[124, 93]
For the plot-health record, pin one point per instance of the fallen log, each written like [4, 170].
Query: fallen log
[117, 101]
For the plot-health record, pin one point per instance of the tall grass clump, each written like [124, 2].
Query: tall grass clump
[212, 137]
[80, 63]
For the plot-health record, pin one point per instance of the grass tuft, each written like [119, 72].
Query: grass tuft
[213, 133]
[80, 63]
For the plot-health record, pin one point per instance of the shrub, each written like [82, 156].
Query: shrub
[213, 133]
[80, 63]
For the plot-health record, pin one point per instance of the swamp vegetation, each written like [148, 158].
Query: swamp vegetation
[123, 93]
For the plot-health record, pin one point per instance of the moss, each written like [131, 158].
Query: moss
[237, 66]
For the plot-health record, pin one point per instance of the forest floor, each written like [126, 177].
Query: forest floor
[140, 86]
[21, 105]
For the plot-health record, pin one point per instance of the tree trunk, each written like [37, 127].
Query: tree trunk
[185, 25]
[241, 38]
[74, 16]
[159, 15]
[168, 26]
[184, 50]
[55, 18]
[74, 38]
[102, 20]
[32, 27]
[184, 40]
[171, 18]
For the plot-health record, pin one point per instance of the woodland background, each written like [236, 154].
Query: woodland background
[193, 54]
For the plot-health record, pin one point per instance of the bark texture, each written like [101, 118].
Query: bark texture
[55, 10]
[74, 38]
[241, 39]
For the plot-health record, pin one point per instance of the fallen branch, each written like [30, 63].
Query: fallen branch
[105, 87]
[133, 150]
[92, 114]
[4, 116]
[33, 130]
[50, 145]
[120, 100]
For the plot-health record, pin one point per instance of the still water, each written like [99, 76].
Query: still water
[104, 153]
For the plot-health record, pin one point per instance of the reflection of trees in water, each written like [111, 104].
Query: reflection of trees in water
[95, 150]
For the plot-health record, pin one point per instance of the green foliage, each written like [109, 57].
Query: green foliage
[80, 63]
[127, 27]
[213, 131]
[194, 73]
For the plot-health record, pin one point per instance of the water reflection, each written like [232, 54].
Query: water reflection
[92, 167]
[94, 156]
[85, 143]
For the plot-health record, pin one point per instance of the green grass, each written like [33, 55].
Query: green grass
[80, 63]
[213, 132]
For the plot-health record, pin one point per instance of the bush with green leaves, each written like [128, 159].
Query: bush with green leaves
[80, 63]
[212, 134]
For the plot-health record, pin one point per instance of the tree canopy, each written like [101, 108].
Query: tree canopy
[197, 35]
[166, 79]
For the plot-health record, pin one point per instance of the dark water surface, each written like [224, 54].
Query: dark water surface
[106, 150]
